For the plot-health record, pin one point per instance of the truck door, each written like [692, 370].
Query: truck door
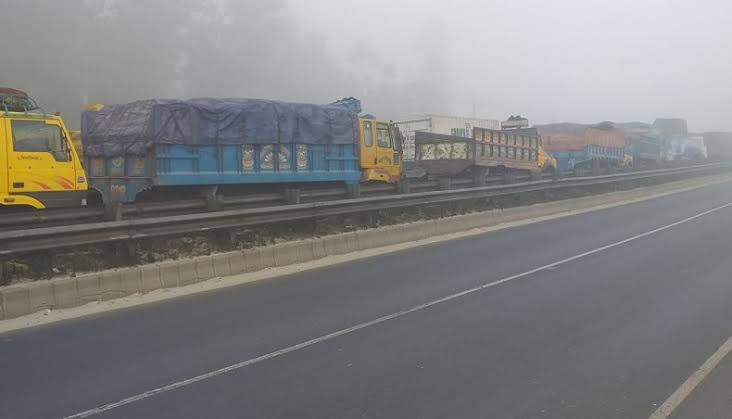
[39, 159]
[398, 141]
[368, 147]
[384, 150]
[3, 158]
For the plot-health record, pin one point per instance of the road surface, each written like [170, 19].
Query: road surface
[590, 318]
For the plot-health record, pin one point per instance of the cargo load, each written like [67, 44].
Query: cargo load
[439, 124]
[578, 145]
[133, 128]
[669, 127]
[14, 100]
[567, 136]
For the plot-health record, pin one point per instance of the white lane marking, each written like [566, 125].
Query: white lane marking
[302, 345]
[674, 401]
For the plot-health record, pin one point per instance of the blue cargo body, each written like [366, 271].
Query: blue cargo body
[568, 160]
[646, 149]
[122, 178]
[203, 142]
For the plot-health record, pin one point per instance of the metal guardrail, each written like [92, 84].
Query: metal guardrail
[32, 219]
[48, 238]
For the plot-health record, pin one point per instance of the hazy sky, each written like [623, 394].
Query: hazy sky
[576, 60]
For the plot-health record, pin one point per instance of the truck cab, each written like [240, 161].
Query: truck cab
[380, 150]
[39, 167]
[547, 163]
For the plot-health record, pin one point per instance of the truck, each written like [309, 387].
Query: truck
[205, 146]
[642, 144]
[39, 167]
[579, 146]
[488, 151]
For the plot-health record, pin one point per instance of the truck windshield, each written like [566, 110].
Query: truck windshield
[37, 136]
[383, 139]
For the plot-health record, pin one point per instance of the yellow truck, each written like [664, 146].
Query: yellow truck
[39, 166]
[547, 163]
[75, 136]
[380, 151]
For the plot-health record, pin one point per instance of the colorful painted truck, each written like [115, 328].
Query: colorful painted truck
[642, 143]
[581, 146]
[488, 151]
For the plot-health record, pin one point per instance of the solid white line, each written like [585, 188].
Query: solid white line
[667, 408]
[283, 351]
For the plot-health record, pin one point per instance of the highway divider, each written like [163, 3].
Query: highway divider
[22, 299]
[18, 242]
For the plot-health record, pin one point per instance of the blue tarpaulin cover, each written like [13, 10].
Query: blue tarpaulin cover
[135, 127]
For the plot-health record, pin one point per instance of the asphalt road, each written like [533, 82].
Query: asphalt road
[608, 335]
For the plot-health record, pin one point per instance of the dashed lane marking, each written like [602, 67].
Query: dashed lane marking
[330, 336]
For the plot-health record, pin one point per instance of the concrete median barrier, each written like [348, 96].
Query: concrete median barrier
[236, 262]
[221, 265]
[288, 253]
[131, 279]
[266, 257]
[170, 274]
[204, 268]
[252, 260]
[187, 272]
[40, 296]
[110, 285]
[151, 278]
[318, 248]
[65, 293]
[16, 301]
[22, 299]
[89, 288]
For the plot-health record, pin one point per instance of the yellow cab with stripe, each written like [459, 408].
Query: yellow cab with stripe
[380, 149]
[39, 166]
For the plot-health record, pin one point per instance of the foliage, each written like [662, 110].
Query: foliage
[72, 52]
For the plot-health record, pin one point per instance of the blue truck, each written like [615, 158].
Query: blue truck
[193, 145]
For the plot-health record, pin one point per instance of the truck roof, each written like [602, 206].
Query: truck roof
[16, 100]
[28, 115]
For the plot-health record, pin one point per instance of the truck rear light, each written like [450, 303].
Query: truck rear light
[81, 179]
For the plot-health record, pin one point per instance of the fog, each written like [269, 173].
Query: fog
[566, 60]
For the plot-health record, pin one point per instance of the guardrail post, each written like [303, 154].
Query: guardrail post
[479, 176]
[595, 167]
[403, 186]
[214, 202]
[354, 190]
[113, 211]
[509, 177]
[292, 196]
